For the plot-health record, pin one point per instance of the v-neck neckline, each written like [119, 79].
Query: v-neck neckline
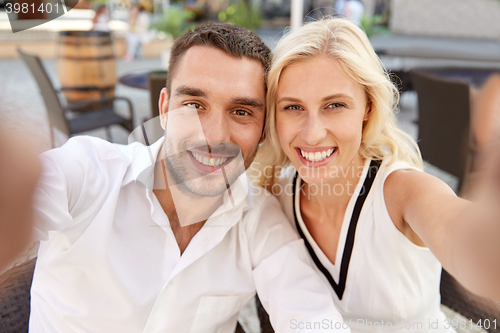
[333, 268]
[362, 191]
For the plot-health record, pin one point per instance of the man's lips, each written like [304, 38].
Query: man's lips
[208, 163]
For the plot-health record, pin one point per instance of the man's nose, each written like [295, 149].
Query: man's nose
[215, 126]
[314, 130]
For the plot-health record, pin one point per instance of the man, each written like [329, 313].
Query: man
[170, 237]
[19, 170]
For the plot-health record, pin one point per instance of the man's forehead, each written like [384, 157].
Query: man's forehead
[207, 68]
[210, 57]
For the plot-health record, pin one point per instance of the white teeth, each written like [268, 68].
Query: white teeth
[316, 156]
[214, 162]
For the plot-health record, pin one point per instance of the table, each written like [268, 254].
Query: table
[140, 80]
[474, 77]
[154, 81]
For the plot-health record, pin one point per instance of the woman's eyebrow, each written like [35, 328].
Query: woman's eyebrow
[337, 96]
[289, 99]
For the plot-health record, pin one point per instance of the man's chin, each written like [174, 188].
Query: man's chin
[207, 186]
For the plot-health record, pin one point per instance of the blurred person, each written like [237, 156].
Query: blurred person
[339, 7]
[351, 184]
[174, 245]
[101, 19]
[353, 11]
[486, 113]
[19, 170]
[485, 125]
[350, 9]
[138, 32]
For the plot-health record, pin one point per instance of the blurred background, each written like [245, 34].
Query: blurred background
[97, 69]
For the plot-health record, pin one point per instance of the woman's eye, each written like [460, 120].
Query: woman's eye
[241, 113]
[292, 107]
[336, 105]
[194, 105]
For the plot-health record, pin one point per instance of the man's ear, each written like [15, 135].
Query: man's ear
[163, 107]
[262, 139]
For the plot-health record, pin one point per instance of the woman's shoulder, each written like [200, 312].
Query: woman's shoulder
[389, 166]
[394, 176]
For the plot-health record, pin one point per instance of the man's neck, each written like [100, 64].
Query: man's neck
[186, 213]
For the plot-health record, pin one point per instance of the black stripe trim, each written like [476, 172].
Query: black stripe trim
[349, 243]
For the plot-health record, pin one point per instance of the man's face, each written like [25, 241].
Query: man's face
[226, 95]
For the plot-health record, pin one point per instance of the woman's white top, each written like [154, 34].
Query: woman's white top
[392, 285]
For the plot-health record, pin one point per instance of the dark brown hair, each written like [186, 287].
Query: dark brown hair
[231, 39]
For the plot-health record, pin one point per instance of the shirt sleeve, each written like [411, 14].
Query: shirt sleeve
[72, 183]
[295, 296]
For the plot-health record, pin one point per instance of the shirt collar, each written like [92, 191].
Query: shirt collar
[143, 159]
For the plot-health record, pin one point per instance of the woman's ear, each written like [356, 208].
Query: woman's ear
[163, 107]
[368, 110]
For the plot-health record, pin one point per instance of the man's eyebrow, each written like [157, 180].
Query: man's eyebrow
[254, 102]
[190, 91]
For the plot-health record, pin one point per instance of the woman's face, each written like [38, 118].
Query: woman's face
[319, 115]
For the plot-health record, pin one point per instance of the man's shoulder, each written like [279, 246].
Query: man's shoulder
[258, 197]
[85, 157]
[90, 149]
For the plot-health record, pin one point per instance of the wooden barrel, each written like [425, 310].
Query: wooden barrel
[85, 58]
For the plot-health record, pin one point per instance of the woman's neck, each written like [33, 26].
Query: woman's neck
[330, 197]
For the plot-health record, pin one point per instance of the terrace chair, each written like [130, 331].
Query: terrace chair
[444, 124]
[15, 285]
[157, 81]
[69, 118]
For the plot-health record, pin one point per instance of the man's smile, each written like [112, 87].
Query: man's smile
[208, 162]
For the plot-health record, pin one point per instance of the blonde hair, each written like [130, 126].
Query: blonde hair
[345, 42]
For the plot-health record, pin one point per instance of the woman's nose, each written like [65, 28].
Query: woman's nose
[314, 130]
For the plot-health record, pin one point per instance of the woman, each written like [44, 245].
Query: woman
[138, 32]
[101, 19]
[351, 183]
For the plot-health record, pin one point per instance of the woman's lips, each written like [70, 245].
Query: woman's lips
[317, 157]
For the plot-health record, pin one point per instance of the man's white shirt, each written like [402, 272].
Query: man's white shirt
[109, 261]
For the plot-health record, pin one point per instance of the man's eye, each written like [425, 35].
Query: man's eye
[194, 105]
[241, 113]
[292, 107]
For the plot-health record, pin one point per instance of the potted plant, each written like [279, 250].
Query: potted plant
[174, 23]
[243, 14]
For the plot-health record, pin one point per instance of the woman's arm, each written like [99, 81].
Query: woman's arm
[464, 236]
